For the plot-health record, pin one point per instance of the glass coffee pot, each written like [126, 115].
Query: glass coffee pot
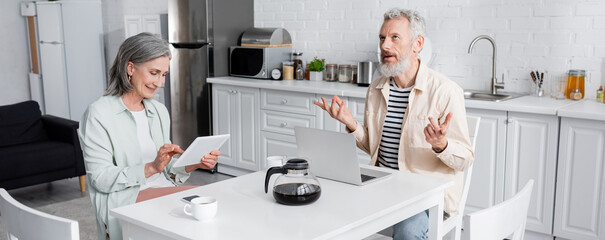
[295, 186]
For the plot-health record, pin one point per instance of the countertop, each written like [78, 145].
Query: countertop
[585, 109]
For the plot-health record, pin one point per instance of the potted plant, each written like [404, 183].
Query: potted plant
[316, 68]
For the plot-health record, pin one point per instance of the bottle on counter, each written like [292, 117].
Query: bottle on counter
[307, 73]
[600, 94]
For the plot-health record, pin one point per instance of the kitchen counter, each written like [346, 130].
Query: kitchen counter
[588, 109]
[318, 87]
[525, 104]
[585, 109]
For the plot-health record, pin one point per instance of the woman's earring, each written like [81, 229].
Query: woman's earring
[129, 78]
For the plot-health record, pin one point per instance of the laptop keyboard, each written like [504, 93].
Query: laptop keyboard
[366, 177]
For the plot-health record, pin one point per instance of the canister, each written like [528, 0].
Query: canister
[331, 73]
[366, 73]
[344, 73]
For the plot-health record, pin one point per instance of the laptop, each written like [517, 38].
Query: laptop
[333, 155]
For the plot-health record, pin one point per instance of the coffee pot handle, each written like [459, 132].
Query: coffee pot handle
[272, 171]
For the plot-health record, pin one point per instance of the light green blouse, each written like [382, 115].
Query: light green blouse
[108, 137]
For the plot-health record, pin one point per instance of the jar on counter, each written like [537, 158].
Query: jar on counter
[600, 94]
[287, 70]
[575, 94]
[331, 72]
[344, 73]
[354, 74]
[575, 80]
[299, 67]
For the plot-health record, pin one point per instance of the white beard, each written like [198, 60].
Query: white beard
[399, 68]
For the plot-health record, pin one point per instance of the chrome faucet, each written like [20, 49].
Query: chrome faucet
[495, 84]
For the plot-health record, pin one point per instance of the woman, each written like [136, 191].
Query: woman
[125, 135]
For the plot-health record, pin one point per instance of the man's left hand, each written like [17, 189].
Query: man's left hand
[434, 133]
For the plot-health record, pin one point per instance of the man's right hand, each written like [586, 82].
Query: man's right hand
[339, 111]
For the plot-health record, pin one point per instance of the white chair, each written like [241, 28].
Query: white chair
[455, 222]
[504, 220]
[24, 223]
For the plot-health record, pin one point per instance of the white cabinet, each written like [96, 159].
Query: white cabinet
[235, 111]
[135, 24]
[281, 111]
[324, 121]
[512, 148]
[357, 109]
[275, 144]
[580, 205]
[531, 153]
[487, 182]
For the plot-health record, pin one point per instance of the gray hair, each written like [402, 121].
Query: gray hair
[417, 25]
[137, 49]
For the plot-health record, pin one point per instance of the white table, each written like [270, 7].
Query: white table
[245, 212]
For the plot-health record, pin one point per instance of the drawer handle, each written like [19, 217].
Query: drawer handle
[284, 101]
[284, 124]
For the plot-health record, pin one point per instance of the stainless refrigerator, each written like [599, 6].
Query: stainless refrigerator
[200, 33]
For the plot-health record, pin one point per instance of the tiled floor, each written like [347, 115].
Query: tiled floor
[68, 189]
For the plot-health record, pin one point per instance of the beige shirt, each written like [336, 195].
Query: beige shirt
[433, 95]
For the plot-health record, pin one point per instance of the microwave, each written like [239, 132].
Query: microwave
[256, 62]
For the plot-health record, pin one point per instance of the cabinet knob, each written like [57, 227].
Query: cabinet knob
[284, 101]
[284, 124]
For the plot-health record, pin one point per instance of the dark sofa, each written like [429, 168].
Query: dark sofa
[37, 149]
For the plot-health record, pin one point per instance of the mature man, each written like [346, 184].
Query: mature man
[414, 118]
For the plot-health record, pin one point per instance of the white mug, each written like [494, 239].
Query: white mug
[275, 161]
[202, 208]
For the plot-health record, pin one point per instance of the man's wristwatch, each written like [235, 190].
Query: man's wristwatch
[437, 150]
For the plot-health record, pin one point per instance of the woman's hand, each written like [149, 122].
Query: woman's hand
[208, 161]
[162, 159]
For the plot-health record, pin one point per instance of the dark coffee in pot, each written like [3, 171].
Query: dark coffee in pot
[296, 193]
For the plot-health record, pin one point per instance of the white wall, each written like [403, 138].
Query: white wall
[14, 58]
[546, 35]
[552, 35]
[14, 54]
[113, 21]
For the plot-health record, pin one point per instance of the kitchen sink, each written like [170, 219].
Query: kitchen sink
[485, 96]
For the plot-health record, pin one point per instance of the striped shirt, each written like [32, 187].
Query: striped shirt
[391, 131]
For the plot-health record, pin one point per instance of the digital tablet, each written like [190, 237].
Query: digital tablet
[198, 148]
